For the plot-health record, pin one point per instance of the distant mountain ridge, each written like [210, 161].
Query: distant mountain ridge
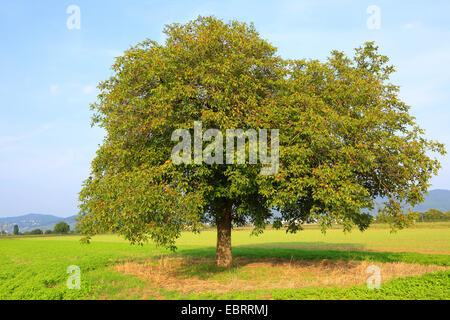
[33, 221]
[437, 199]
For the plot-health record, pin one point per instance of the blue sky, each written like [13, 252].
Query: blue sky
[49, 74]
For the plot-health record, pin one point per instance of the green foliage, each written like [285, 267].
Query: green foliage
[345, 137]
[16, 230]
[434, 215]
[35, 231]
[61, 228]
[407, 218]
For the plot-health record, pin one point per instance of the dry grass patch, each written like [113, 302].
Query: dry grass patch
[197, 275]
[346, 247]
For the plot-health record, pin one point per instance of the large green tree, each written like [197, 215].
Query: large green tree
[61, 228]
[345, 138]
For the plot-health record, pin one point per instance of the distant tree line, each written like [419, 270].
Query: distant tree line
[60, 228]
[432, 215]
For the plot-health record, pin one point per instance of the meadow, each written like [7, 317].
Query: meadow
[414, 264]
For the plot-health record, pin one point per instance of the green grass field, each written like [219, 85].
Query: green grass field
[274, 265]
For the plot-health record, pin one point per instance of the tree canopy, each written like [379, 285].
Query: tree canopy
[61, 228]
[345, 138]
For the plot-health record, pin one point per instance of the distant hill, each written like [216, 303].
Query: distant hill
[436, 199]
[32, 221]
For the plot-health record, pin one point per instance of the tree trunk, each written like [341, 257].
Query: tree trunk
[223, 221]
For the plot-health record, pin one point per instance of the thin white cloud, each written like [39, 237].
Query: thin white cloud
[72, 90]
[88, 89]
[64, 159]
[54, 89]
[426, 77]
[114, 53]
[6, 141]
